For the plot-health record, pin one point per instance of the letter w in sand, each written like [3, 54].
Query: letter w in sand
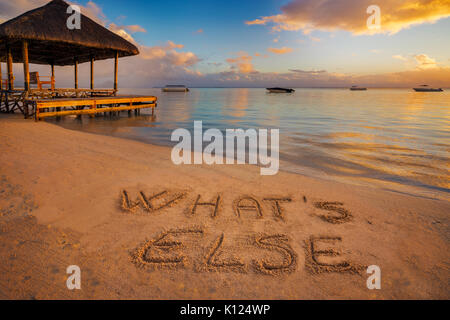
[151, 203]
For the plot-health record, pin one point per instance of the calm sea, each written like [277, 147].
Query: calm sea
[395, 139]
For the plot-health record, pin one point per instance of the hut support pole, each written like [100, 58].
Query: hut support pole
[26, 70]
[76, 81]
[76, 73]
[52, 68]
[53, 75]
[9, 61]
[26, 76]
[92, 73]
[116, 62]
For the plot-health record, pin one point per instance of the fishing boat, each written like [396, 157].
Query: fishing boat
[175, 88]
[426, 88]
[356, 88]
[280, 90]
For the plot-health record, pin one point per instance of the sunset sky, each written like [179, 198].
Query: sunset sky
[257, 43]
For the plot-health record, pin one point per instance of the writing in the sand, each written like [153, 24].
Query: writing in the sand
[265, 253]
[270, 254]
[248, 205]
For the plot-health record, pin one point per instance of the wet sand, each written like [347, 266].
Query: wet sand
[140, 227]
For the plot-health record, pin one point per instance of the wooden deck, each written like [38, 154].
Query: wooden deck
[20, 99]
[78, 106]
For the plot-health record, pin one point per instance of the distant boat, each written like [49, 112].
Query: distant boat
[280, 90]
[356, 88]
[426, 88]
[175, 88]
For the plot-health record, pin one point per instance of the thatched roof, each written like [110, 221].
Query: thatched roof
[50, 41]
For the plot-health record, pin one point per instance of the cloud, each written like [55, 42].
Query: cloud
[215, 64]
[243, 63]
[134, 28]
[135, 72]
[257, 21]
[439, 77]
[121, 32]
[350, 15]
[11, 9]
[421, 61]
[399, 57]
[312, 72]
[425, 62]
[168, 54]
[165, 54]
[93, 11]
[282, 50]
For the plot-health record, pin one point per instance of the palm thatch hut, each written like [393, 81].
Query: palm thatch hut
[42, 36]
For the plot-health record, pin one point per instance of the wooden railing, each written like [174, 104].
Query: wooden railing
[93, 105]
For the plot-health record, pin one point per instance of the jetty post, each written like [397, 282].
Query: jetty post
[116, 62]
[92, 72]
[9, 61]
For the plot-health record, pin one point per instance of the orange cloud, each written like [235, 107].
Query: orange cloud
[425, 62]
[257, 21]
[167, 54]
[282, 50]
[399, 57]
[422, 61]
[134, 28]
[243, 63]
[350, 15]
[121, 32]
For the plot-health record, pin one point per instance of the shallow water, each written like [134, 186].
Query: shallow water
[394, 138]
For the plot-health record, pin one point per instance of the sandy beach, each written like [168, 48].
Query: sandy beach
[140, 227]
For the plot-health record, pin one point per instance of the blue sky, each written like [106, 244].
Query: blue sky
[225, 33]
[222, 22]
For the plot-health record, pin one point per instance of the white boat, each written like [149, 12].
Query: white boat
[426, 88]
[280, 90]
[175, 88]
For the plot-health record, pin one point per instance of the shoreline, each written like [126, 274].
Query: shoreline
[426, 192]
[63, 204]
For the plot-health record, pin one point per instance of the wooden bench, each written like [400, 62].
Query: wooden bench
[94, 105]
[4, 82]
[36, 79]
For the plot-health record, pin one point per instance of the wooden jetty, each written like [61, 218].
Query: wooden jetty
[41, 36]
[78, 106]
